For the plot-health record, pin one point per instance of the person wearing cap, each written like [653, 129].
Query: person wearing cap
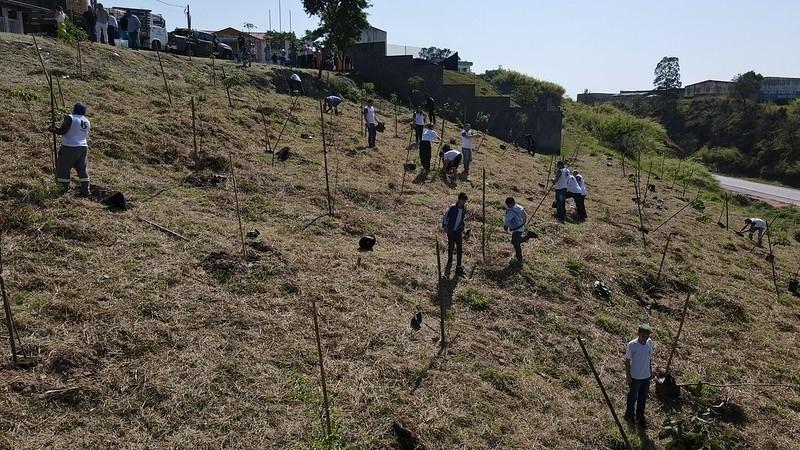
[418, 122]
[560, 186]
[371, 120]
[453, 226]
[332, 102]
[638, 373]
[753, 225]
[426, 145]
[74, 148]
[468, 136]
[514, 222]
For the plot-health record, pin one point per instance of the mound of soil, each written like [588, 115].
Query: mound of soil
[205, 179]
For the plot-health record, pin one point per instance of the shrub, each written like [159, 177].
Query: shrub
[721, 159]
[238, 78]
[72, 33]
[610, 324]
[473, 298]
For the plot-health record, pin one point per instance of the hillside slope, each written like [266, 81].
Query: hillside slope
[148, 341]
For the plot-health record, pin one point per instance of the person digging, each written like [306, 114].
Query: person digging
[514, 222]
[332, 103]
[450, 161]
[638, 373]
[752, 226]
[429, 136]
[74, 149]
[453, 227]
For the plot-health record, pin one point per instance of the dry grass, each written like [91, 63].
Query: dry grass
[152, 342]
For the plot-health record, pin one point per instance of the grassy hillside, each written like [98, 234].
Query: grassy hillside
[148, 341]
[482, 87]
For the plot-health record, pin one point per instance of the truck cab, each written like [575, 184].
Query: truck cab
[154, 28]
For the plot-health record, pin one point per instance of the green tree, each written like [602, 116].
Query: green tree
[746, 85]
[434, 54]
[340, 22]
[668, 73]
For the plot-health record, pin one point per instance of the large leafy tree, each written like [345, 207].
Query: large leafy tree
[434, 54]
[746, 85]
[668, 73]
[340, 22]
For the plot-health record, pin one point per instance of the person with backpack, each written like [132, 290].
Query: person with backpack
[418, 122]
[74, 149]
[426, 145]
[371, 121]
[430, 104]
[453, 227]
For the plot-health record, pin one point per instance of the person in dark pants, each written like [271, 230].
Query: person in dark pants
[638, 373]
[514, 222]
[89, 22]
[332, 103]
[74, 149]
[296, 84]
[371, 120]
[560, 186]
[430, 104]
[134, 24]
[425, 145]
[453, 226]
[530, 143]
[418, 121]
[112, 29]
[575, 192]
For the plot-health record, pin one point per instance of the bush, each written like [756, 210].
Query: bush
[473, 298]
[71, 33]
[524, 90]
[721, 159]
[238, 78]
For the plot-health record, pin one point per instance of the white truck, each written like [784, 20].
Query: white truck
[153, 31]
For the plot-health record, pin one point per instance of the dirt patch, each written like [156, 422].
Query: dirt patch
[223, 265]
[205, 179]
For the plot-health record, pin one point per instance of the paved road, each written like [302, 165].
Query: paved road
[760, 190]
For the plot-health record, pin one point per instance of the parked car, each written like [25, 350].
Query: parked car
[153, 31]
[196, 43]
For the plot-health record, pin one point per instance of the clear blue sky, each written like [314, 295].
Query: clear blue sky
[600, 45]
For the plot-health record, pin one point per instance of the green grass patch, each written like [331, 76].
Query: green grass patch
[473, 298]
[610, 324]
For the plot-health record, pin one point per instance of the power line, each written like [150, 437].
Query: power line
[171, 4]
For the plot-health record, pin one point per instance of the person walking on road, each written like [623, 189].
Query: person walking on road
[429, 136]
[74, 149]
[753, 225]
[371, 120]
[560, 186]
[418, 121]
[638, 373]
[453, 226]
[514, 222]
[430, 104]
[468, 136]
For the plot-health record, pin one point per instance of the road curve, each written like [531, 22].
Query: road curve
[760, 190]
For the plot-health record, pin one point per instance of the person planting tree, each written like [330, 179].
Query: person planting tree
[467, 137]
[450, 161]
[296, 84]
[753, 225]
[514, 222]
[426, 144]
[74, 149]
[453, 226]
[638, 373]
[332, 102]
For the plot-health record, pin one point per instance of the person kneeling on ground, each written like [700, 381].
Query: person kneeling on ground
[74, 149]
[575, 192]
[428, 138]
[754, 225]
[453, 226]
[638, 373]
[296, 84]
[450, 160]
[514, 222]
[418, 122]
[332, 102]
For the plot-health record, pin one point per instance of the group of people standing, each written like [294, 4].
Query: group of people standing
[426, 136]
[568, 184]
[103, 27]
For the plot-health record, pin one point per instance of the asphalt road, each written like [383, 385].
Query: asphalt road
[760, 190]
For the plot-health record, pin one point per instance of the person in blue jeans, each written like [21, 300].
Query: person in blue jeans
[560, 185]
[468, 136]
[133, 27]
[453, 226]
[638, 373]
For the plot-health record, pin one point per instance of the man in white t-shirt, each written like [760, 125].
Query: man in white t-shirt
[418, 122]
[575, 191]
[429, 136]
[371, 120]
[560, 185]
[74, 149]
[468, 136]
[638, 373]
[450, 160]
[296, 84]
[755, 225]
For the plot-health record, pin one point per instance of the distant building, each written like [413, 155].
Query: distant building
[371, 35]
[709, 88]
[465, 66]
[34, 16]
[230, 36]
[779, 89]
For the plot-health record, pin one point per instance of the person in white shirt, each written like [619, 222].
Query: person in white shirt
[74, 149]
[638, 373]
[60, 17]
[112, 29]
[372, 122]
[450, 160]
[101, 24]
[468, 136]
[560, 185]
[755, 225]
[575, 189]
[296, 84]
[514, 222]
[418, 122]
[429, 136]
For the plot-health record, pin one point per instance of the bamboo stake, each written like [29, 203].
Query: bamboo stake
[641, 219]
[726, 211]
[722, 209]
[549, 173]
[325, 403]
[61, 93]
[686, 183]
[605, 395]
[772, 262]
[483, 219]
[285, 122]
[194, 135]
[439, 150]
[166, 86]
[325, 158]
[647, 184]
[266, 137]
[80, 60]
[676, 213]
[678, 335]
[680, 161]
[238, 210]
[164, 229]
[52, 105]
[7, 308]
[663, 257]
[227, 89]
[442, 308]
[408, 154]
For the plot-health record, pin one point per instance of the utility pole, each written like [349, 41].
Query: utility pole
[270, 19]
[188, 17]
[280, 17]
